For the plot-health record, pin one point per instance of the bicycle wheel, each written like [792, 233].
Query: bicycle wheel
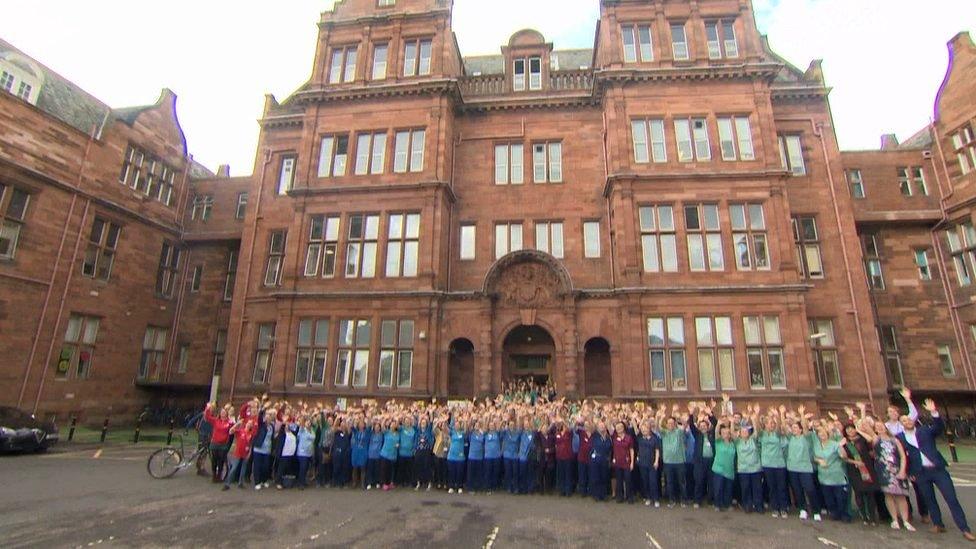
[164, 463]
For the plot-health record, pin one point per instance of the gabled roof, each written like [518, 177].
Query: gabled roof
[921, 140]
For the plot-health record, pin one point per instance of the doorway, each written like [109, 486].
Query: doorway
[597, 373]
[528, 354]
[460, 374]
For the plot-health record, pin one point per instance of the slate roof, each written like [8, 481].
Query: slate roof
[568, 60]
[921, 140]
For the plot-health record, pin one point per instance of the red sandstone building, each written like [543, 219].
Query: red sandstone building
[666, 215]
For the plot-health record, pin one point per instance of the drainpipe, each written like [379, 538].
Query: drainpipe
[818, 131]
[54, 272]
[178, 313]
[606, 174]
[247, 276]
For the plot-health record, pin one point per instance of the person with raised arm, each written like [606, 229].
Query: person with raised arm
[828, 455]
[748, 466]
[703, 452]
[511, 438]
[219, 439]
[799, 466]
[891, 471]
[673, 452]
[623, 462]
[601, 448]
[723, 468]
[930, 469]
[772, 445]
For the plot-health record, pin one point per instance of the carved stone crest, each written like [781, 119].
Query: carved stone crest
[528, 286]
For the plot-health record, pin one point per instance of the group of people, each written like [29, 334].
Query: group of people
[777, 460]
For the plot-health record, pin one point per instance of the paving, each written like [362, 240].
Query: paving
[87, 497]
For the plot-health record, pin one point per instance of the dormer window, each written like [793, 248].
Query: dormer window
[21, 77]
[534, 67]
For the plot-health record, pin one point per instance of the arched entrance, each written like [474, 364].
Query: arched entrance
[460, 373]
[597, 374]
[528, 353]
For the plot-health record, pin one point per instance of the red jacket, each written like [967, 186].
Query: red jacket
[242, 440]
[564, 445]
[585, 446]
[221, 428]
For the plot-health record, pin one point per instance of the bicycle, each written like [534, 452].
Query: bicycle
[167, 461]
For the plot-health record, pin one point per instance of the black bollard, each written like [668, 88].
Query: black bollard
[104, 430]
[71, 430]
[135, 436]
[951, 438]
[169, 435]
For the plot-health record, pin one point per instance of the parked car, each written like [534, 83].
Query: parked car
[22, 432]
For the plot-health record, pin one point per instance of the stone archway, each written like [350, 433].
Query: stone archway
[528, 352]
[460, 369]
[597, 372]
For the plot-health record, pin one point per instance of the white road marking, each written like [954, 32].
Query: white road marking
[98, 454]
[651, 541]
[829, 543]
[490, 540]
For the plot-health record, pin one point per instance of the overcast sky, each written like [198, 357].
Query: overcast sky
[884, 59]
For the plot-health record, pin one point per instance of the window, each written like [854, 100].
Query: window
[196, 279]
[892, 355]
[637, 43]
[323, 246]
[549, 238]
[202, 207]
[872, 261]
[403, 245]
[824, 348]
[856, 183]
[231, 275]
[468, 234]
[396, 354]
[508, 238]
[370, 153]
[411, 66]
[721, 39]
[945, 360]
[749, 237]
[380, 52]
[534, 66]
[25, 91]
[641, 130]
[386, 3]
[364, 231]
[241, 206]
[100, 255]
[518, 74]
[666, 340]
[909, 177]
[508, 164]
[184, 359]
[791, 154]
[79, 347]
[679, 42]
[807, 239]
[169, 263]
[964, 144]
[692, 137]
[286, 176]
[704, 238]
[409, 151]
[658, 239]
[591, 239]
[764, 352]
[333, 155]
[219, 351]
[313, 352]
[354, 342]
[716, 353]
[276, 258]
[958, 248]
[153, 351]
[264, 353]
[343, 65]
[13, 210]
[547, 162]
[147, 174]
[735, 138]
[922, 262]
[6, 81]
[904, 182]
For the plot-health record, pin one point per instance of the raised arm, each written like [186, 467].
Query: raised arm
[906, 394]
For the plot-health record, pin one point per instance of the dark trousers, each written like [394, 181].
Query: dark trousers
[721, 491]
[303, 464]
[583, 478]
[476, 474]
[622, 476]
[423, 467]
[751, 489]
[674, 476]
[804, 492]
[837, 499]
[262, 468]
[923, 508]
[928, 481]
[218, 461]
[701, 473]
[440, 471]
[492, 469]
[779, 498]
[372, 471]
[386, 471]
[650, 488]
[564, 476]
[599, 478]
[286, 465]
[511, 474]
[324, 476]
[455, 474]
[404, 471]
[526, 476]
[340, 469]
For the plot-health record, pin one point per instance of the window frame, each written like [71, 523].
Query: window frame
[753, 234]
[342, 58]
[805, 245]
[414, 66]
[241, 210]
[552, 241]
[716, 348]
[286, 173]
[169, 266]
[766, 349]
[592, 245]
[103, 249]
[509, 240]
[79, 339]
[351, 350]
[791, 154]
[657, 232]
[264, 348]
[550, 164]
[275, 265]
[357, 246]
[822, 349]
[310, 350]
[462, 247]
[680, 45]
[396, 351]
[873, 261]
[855, 182]
[708, 236]
[669, 348]
[508, 171]
[403, 244]
[638, 32]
